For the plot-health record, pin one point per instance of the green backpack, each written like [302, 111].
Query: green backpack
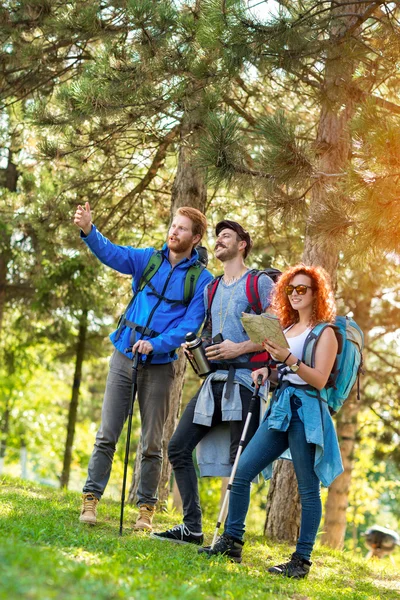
[191, 278]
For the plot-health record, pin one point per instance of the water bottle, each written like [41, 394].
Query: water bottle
[200, 362]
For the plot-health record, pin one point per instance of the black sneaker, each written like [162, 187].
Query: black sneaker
[179, 534]
[297, 567]
[226, 545]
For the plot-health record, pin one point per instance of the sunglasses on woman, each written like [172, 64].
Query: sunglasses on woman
[301, 289]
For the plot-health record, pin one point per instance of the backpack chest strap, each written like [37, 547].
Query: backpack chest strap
[171, 301]
[151, 333]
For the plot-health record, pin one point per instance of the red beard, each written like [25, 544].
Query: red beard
[179, 246]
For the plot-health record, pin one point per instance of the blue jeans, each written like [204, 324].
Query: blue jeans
[265, 447]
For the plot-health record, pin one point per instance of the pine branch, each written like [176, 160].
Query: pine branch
[156, 163]
[247, 116]
[395, 368]
[386, 421]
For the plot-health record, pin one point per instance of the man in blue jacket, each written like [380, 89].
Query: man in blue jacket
[154, 324]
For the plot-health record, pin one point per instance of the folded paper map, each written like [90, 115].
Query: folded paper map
[259, 327]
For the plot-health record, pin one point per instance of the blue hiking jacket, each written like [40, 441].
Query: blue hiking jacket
[171, 321]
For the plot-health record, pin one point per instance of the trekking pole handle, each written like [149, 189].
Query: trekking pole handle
[259, 380]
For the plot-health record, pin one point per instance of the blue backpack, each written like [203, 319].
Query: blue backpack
[348, 363]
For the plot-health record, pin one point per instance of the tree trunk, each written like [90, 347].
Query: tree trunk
[337, 500]
[283, 525]
[4, 431]
[136, 474]
[333, 144]
[5, 257]
[9, 181]
[189, 189]
[170, 426]
[24, 459]
[346, 424]
[73, 407]
[176, 497]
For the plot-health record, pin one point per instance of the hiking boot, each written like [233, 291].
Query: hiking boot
[89, 509]
[226, 545]
[179, 534]
[297, 567]
[145, 517]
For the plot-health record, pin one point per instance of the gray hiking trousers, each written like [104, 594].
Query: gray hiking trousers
[153, 393]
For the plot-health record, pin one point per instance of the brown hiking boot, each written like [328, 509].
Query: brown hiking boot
[145, 517]
[89, 509]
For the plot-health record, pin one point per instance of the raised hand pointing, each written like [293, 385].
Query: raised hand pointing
[83, 218]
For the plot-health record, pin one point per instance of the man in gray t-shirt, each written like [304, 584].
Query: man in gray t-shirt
[225, 395]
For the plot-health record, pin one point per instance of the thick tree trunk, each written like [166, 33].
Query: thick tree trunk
[4, 431]
[5, 257]
[136, 475]
[170, 426]
[189, 189]
[24, 459]
[346, 424]
[333, 146]
[73, 407]
[9, 178]
[337, 500]
[283, 525]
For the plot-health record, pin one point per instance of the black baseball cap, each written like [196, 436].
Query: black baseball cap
[238, 229]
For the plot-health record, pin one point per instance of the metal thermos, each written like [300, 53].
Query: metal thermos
[200, 362]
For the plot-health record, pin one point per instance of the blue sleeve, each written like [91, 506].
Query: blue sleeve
[192, 321]
[265, 290]
[123, 259]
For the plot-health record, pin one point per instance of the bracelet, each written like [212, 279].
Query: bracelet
[287, 357]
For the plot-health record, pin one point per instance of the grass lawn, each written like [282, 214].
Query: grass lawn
[46, 553]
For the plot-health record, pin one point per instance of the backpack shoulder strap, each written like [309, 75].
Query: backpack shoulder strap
[252, 291]
[211, 290]
[252, 294]
[310, 344]
[150, 269]
[191, 279]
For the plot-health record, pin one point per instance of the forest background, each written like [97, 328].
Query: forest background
[281, 115]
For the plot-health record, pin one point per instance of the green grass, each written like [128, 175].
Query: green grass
[46, 553]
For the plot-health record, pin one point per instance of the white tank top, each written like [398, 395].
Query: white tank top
[296, 345]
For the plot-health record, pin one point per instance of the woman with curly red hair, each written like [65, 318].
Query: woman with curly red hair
[298, 424]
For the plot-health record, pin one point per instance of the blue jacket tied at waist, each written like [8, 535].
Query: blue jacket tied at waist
[318, 426]
[172, 321]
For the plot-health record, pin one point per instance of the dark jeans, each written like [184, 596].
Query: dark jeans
[153, 391]
[185, 440]
[265, 447]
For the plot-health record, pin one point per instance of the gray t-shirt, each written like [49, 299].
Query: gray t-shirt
[228, 304]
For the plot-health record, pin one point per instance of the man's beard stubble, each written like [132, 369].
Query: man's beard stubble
[179, 247]
[227, 253]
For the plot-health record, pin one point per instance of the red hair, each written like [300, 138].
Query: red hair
[199, 221]
[324, 307]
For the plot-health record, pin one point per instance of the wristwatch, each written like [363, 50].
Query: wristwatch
[294, 368]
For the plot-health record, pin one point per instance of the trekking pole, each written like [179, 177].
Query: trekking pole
[128, 435]
[254, 399]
